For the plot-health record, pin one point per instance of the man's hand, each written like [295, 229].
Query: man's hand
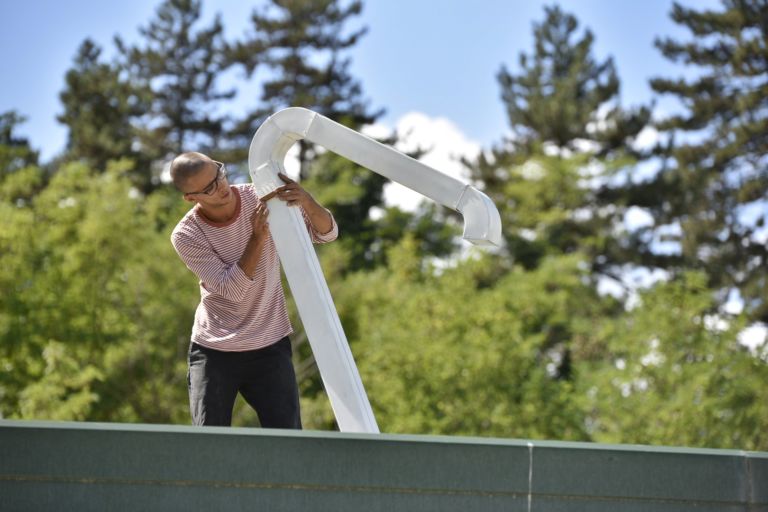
[250, 258]
[259, 220]
[293, 193]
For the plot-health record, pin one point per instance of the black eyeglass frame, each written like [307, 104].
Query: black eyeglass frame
[221, 173]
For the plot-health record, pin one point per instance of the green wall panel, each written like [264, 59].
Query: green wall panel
[91, 466]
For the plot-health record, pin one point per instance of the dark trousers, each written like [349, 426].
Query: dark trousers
[264, 377]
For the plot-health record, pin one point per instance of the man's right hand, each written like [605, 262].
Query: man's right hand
[259, 221]
[250, 258]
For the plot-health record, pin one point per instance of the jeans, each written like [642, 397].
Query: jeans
[265, 377]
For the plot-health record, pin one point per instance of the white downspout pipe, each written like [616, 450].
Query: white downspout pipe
[270, 144]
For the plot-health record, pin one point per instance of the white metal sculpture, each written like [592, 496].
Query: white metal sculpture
[482, 226]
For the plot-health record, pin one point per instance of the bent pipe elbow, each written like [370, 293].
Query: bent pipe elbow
[270, 144]
[273, 139]
[482, 223]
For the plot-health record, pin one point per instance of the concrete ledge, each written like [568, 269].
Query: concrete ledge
[97, 466]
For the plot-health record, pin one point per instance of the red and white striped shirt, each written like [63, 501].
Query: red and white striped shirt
[235, 313]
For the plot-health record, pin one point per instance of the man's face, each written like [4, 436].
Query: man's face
[209, 186]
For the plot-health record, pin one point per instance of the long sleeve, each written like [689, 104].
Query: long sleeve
[321, 238]
[227, 280]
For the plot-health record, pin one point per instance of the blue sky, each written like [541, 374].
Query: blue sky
[436, 58]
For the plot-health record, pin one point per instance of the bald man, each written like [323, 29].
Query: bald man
[239, 340]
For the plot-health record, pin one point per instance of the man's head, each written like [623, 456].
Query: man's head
[201, 179]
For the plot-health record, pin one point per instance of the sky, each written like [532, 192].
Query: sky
[436, 59]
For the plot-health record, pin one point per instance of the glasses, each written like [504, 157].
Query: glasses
[212, 187]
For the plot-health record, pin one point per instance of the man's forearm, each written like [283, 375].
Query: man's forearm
[319, 217]
[251, 255]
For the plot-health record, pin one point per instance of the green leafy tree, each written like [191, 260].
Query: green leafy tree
[548, 208]
[20, 176]
[20, 181]
[471, 350]
[95, 322]
[100, 110]
[677, 375]
[713, 183]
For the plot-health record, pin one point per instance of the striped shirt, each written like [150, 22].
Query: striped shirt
[235, 313]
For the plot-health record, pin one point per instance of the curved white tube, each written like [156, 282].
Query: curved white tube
[482, 225]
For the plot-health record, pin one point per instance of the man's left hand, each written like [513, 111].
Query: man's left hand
[293, 193]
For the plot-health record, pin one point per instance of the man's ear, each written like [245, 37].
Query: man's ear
[188, 198]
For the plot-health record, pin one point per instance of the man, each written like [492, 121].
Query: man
[240, 334]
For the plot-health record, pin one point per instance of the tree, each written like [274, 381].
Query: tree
[570, 137]
[100, 110]
[474, 349]
[20, 176]
[178, 65]
[562, 95]
[15, 151]
[303, 43]
[677, 375]
[95, 321]
[712, 186]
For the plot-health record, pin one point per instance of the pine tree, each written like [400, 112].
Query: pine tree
[178, 65]
[563, 95]
[714, 183]
[15, 151]
[303, 42]
[568, 134]
[100, 109]
[20, 176]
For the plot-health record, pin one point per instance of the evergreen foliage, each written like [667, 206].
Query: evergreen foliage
[100, 107]
[563, 95]
[15, 151]
[177, 67]
[714, 183]
[303, 43]
[569, 139]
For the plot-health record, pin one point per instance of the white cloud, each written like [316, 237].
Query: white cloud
[631, 280]
[377, 131]
[646, 139]
[291, 162]
[443, 144]
[735, 303]
[754, 336]
[636, 218]
[586, 146]
[666, 239]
